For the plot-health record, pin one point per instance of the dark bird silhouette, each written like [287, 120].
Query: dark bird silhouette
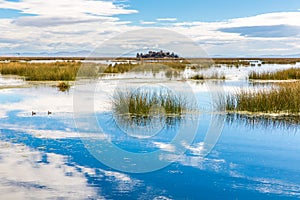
[33, 113]
[49, 113]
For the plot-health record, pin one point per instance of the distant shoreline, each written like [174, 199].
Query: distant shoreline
[216, 60]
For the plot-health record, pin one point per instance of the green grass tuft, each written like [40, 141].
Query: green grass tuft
[145, 105]
[63, 86]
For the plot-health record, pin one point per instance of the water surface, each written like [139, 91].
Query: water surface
[44, 156]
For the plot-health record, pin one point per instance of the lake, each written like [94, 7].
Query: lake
[78, 153]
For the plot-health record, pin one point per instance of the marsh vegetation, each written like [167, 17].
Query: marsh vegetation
[143, 104]
[282, 98]
[286, 74]
[215, 75]
[63, 86]
[58, 71]
[68, 70]
[150, 66]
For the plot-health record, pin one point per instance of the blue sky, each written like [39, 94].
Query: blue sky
[206, 10]
[221, 27]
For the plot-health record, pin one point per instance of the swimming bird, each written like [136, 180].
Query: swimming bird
[49, 113]
[33, 113]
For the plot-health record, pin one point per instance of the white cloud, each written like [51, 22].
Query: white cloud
[165, 146]
[146, 22]
[67, 8]
[216, 42]
[60, 25]
[82, 25]
[268, 19]
[22, 176]
[166, 19]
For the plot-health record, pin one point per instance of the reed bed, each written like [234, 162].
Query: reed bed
[214, 75]
[143, 102]
[126, 67]
[145, 106]
[176, 65]
[283, 98]
[68, 71]
[287, 74]
[120, 68]
[58, 71]
[244, 61]
[279, 60]
[198, 77]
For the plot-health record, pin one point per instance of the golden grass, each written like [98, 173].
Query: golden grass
[140, 102]
[58, 71]
[287, 74]
[144, 106]
[126, 67]
[63, 86]
[283, 98]
[215, 75]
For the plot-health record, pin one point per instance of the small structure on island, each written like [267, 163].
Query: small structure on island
[156, 55]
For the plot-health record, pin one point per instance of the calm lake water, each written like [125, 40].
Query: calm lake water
[46, 156]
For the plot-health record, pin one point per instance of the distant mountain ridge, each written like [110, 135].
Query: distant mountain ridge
[47, 54]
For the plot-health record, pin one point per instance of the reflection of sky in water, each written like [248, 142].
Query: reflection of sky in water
[42, 156]
[9, 81]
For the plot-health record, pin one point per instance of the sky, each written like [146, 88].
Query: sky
[222, 28]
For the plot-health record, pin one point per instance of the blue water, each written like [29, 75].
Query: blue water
[248, 162]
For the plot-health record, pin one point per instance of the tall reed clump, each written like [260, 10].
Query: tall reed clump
[284, 99]
[150, 105]
[214, 75]
[198, 77]
[63, 86]
[142, 102]
[58, 71]
[287, 74]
